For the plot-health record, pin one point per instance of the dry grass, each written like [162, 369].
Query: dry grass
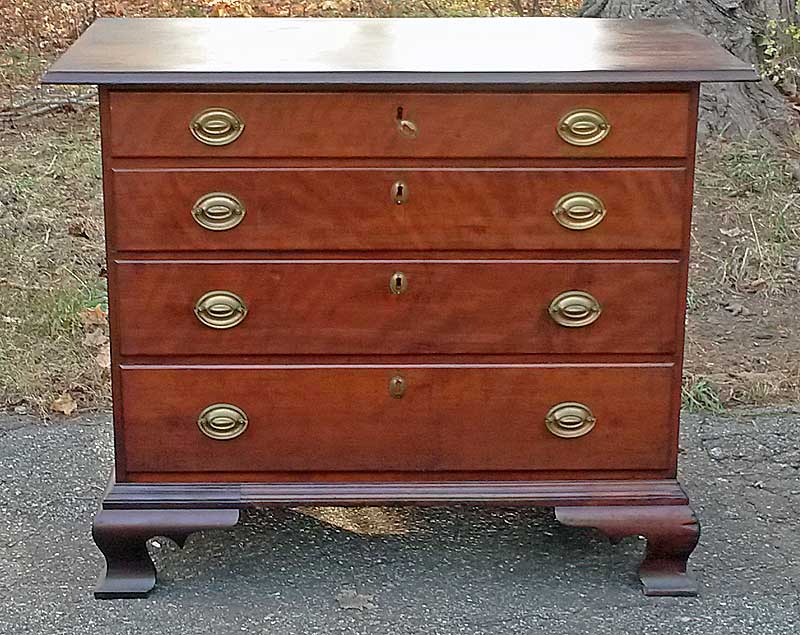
[744, 296]
[50, 189]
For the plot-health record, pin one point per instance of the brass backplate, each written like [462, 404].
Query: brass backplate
[570, 419]
[583, 127]
[574, 309]
[579, 211]
[220, 309]
[222, 421]
[218, 211]
[216, 126]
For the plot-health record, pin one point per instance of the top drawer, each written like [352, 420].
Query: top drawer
[556, 125]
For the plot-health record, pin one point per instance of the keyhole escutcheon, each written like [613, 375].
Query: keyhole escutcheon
[405, 126]
[398, 283]
[397, 386]
[399, 192]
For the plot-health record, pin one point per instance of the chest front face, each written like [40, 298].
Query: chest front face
[292, 253]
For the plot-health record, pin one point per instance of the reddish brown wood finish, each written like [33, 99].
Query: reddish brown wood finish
[672, 533]
[360, 125]
[345, 419]
[353, 209]
[348, 308]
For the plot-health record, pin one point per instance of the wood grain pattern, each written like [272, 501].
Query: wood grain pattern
[346, 307]
[352, 209]
[345, 419]
[472, 51]
[359, 125]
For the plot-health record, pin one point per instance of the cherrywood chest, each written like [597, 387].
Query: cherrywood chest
[359, 262]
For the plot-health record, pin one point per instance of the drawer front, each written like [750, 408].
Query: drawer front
[345, 418]
[399, 125]
[365, 307]
[396, 209]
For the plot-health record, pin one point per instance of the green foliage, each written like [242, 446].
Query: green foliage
[699, 394]
[780, 45]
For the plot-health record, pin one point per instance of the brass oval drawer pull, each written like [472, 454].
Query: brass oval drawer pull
[399, 192]
[574, 309]
[397, 386]
[222, 421]
[220, 309]
[583, 127]
[216, 126]
[218, 211]
[398, 283]
[579, 211]
[570, 420]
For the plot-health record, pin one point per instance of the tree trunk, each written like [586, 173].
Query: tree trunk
[731, 110]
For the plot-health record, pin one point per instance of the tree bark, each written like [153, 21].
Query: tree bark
[729, 110]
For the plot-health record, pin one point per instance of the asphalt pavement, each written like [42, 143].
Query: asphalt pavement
[458, 570]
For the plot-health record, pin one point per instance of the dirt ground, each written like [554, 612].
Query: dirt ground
[743, 345]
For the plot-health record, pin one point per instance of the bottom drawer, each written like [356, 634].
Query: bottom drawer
[401, 418]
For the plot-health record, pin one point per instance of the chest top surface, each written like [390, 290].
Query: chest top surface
[392, 51]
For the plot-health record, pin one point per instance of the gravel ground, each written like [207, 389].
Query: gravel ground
[443, 570]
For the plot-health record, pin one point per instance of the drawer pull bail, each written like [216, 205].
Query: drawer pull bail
[406, 127]
[574, 309]
[216, 126]
[220, 309]
[398, 283]
[570, 420]
[222, 421]
[579, 211]
[218, 211]
[583, 127]
[397, 387]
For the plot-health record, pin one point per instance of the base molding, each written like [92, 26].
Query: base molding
[132, 513]
[523, 493]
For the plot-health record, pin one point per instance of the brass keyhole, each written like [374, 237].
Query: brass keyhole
[398, 283]
[397, 386]
[406, 127]
[399, 192]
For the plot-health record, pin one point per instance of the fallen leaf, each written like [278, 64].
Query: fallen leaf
[78, 229]
[733, 232]
[93, 317]
[103, 358]
[736, 309]
[349, 599]
[64, 404]
[753, 286]
[95, 338]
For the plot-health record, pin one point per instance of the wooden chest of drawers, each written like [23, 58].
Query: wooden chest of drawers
[378, 268]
